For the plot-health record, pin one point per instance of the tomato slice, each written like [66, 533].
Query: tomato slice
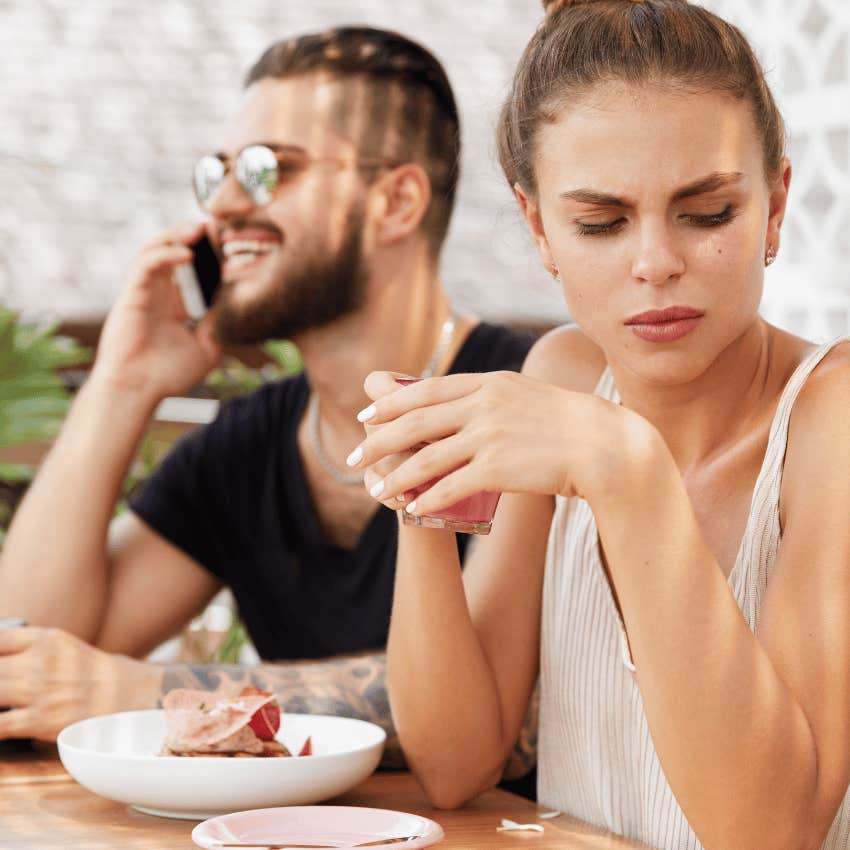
[266, 721]
[307, 749]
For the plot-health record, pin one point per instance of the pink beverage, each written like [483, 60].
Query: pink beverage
[472, 515]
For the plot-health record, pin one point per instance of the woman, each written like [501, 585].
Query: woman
[675, 469]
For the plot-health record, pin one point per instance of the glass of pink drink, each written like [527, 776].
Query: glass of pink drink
[472, 515]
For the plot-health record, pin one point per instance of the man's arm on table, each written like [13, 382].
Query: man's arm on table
[346, 686]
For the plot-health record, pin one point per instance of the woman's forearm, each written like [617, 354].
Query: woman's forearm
[443, 694]
[724, 724]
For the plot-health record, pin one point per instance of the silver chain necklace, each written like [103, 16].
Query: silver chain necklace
[344, 477]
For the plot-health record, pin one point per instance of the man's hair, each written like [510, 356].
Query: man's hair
[401, 110]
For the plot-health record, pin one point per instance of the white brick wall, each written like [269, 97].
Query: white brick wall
[106, 105]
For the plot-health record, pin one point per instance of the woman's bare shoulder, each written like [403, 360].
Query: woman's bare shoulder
[819, 430]
[567, 358]
[827, 389]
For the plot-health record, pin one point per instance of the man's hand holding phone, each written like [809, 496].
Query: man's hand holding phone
[148, 344]
[199, 280]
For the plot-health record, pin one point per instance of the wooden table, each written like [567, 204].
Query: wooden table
[42, 808]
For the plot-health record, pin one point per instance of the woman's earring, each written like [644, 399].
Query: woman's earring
[770, 256]
[556, 272]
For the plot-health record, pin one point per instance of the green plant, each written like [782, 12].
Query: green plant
[33, 398]
[285, 355]
[233, 378]
[231, 645]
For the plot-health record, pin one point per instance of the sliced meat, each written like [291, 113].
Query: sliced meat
[208, 722]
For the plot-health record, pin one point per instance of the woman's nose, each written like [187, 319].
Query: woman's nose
[658, 258]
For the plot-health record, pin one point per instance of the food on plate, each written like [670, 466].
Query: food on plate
[205, 723]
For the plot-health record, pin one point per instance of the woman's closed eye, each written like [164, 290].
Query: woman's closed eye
[599, 228]
[724, 216]
[713, 219]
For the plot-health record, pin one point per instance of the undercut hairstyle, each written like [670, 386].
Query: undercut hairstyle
[399, 108]
[582, 43]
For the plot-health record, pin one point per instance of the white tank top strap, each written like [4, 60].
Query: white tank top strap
[760, 544]
[779, 429]
[606, 388]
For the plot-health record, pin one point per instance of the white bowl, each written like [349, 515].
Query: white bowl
[116, 756]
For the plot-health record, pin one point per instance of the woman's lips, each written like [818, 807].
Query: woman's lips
[665, 325]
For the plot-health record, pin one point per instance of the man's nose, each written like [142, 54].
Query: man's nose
[230, 200]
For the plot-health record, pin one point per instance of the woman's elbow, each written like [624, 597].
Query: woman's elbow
[454, 790]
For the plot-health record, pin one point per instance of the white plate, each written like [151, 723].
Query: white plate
[116, 756]
[337, 826]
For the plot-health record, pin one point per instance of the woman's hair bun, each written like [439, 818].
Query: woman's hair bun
[551, 7]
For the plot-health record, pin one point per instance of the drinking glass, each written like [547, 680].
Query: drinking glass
[472, 515]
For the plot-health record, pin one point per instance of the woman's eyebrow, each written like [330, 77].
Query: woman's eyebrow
[714, 181]
[599, 199]
[709, 183]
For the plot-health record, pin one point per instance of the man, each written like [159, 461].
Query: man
[335, 245]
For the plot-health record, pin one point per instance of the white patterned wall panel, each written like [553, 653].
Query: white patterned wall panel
[805, 47]
[106, 103]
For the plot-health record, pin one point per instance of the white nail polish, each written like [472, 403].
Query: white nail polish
[355, 457]
[411, 507]
[367, 413]
[377, 489]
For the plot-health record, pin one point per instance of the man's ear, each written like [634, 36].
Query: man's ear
[531, 214]
[778, 204]
[399, 201]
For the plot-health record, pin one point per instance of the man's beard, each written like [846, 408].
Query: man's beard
[314, 295]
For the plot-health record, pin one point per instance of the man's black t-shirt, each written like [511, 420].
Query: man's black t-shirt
[233, 496]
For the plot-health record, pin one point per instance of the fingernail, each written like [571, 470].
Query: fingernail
[406, 382]
[355, 457]
[411, 507]
[376, 490]
[367, 413]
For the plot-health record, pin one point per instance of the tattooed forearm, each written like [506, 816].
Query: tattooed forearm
[524, 755]
[348, 686]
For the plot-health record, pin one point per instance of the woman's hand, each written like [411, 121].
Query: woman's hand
[499, 432]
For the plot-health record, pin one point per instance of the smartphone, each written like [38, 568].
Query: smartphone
[199, 281]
